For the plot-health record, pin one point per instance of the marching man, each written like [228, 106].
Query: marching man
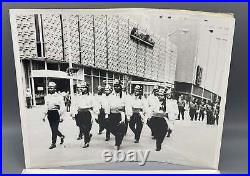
[157, 123]
[172, 111]
[81, 112]
[152, 98]
[105, 106]
[55, 108]
[138, 108]
[98, 108]
[115, 114]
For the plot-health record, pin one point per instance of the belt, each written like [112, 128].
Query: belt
[137, 109]
[53, 109]
[158, 114]
[83, 109]
[117, 109]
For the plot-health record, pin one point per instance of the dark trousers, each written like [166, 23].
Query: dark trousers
[195, 116]
[210, 118]
[217, 119]
[101, 117]
[136, 125]
[192, 113]
[54, 120]
[107, 134]
[112, 125]
[181, 112]
[83, 121]
[159, 127]
[150, 126]
[28, 101]
[201, 115]
[127, 124]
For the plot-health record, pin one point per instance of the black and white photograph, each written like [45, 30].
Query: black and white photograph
[115, 85]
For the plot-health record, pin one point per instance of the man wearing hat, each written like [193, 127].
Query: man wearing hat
[98, 107]
[54, 110]
[157, 123]
[181, 107]
[105, 106]
[81, 112]
[171, 110]
[152, 98]
[138, 109]
[28, 98]
[126, 98]
[115, 111]
[202, 108]
[209, 112]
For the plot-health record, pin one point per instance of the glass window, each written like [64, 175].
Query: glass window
[87, 71]
[52, 66]
[197, 90]
[38, 65]
[102, 81]
[95, 72]
[88, 81]
[102, 73]
[95, 84]
[39, 49]
[110, 75]
[183, 87]
[207, 94]
[117, 76]
[64, 66]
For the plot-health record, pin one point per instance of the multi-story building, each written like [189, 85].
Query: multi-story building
[69, 48]
[201, 39]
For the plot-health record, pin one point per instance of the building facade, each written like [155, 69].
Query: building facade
[97, 48]
[201, 39]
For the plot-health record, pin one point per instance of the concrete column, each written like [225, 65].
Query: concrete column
[99, 78]
[92, 82]
[71, 82]
[32, 86]
[46, 78]
[107, 77]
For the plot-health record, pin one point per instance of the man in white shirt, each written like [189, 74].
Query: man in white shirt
[172, 111]
[126, 98]
[98, 107]
[157, 123]
[82, 104]
[54, 110]
[138, 107]
[105, 106]
[152, 98]
[116, 114]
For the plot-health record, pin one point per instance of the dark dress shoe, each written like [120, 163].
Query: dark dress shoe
[86, 145]
[90, 136]
[169, 132]
[62, 140]
[79, 138]
[52, 146]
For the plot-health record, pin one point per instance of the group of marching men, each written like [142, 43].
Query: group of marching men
[115, 110]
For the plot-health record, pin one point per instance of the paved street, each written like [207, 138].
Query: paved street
[179, 147]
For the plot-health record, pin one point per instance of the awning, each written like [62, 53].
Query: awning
[53, 74]
[151, 83]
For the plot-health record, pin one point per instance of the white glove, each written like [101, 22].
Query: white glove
[123, 117]
[142, 116]
[106, 116]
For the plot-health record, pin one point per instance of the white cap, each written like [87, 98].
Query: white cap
[52, 84]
